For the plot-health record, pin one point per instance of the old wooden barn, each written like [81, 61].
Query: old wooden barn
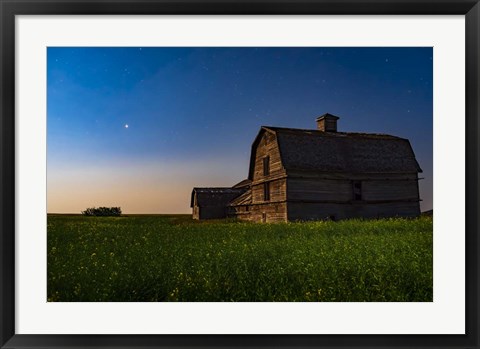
[298, 174]
[212, 203]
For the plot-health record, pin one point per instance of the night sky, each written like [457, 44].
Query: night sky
[139, 127]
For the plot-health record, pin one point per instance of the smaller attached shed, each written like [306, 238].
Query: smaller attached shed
[240, 206]
[211, 203]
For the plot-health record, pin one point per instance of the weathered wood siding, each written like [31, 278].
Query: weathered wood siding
[274, 209]
[241, 212]
[373, 188]
[267, 212]
[322, 196]
[386, 190]
[272, 212]
[210, 212]
[267, 146]
[318, 189]
[196, 212]
[316, 211]
[278, 189]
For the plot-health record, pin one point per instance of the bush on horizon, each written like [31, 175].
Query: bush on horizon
[102, 211]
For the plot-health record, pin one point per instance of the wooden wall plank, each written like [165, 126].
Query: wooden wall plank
[318, 211]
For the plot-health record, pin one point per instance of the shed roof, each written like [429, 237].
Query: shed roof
[243, 184]
[346, 152]
[216, 196]
[244, 199]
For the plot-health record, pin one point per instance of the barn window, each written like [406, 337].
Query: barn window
[357, 190]
[266, 165]
[266, 191]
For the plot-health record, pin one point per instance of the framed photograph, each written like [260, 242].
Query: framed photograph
[267, 174]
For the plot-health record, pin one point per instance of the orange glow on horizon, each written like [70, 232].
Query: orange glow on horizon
[139, 188]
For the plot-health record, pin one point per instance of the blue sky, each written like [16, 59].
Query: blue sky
[192, 114]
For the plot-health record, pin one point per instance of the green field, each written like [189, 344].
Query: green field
[172, 258]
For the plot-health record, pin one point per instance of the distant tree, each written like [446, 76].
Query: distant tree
[102, 211]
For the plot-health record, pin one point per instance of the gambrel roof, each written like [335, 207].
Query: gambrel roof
[340, 152]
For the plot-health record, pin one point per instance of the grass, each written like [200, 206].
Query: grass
[172, 258]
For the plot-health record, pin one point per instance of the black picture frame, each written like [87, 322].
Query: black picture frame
[10, 8]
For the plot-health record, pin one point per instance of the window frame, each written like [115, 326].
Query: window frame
[266, 191]
[357, 193]
[266, 165]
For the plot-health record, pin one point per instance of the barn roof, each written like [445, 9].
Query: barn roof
[244, 199]
[218, 196]
[243, 184]
[346, 152]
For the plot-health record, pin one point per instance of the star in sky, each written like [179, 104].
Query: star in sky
[243, 88]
